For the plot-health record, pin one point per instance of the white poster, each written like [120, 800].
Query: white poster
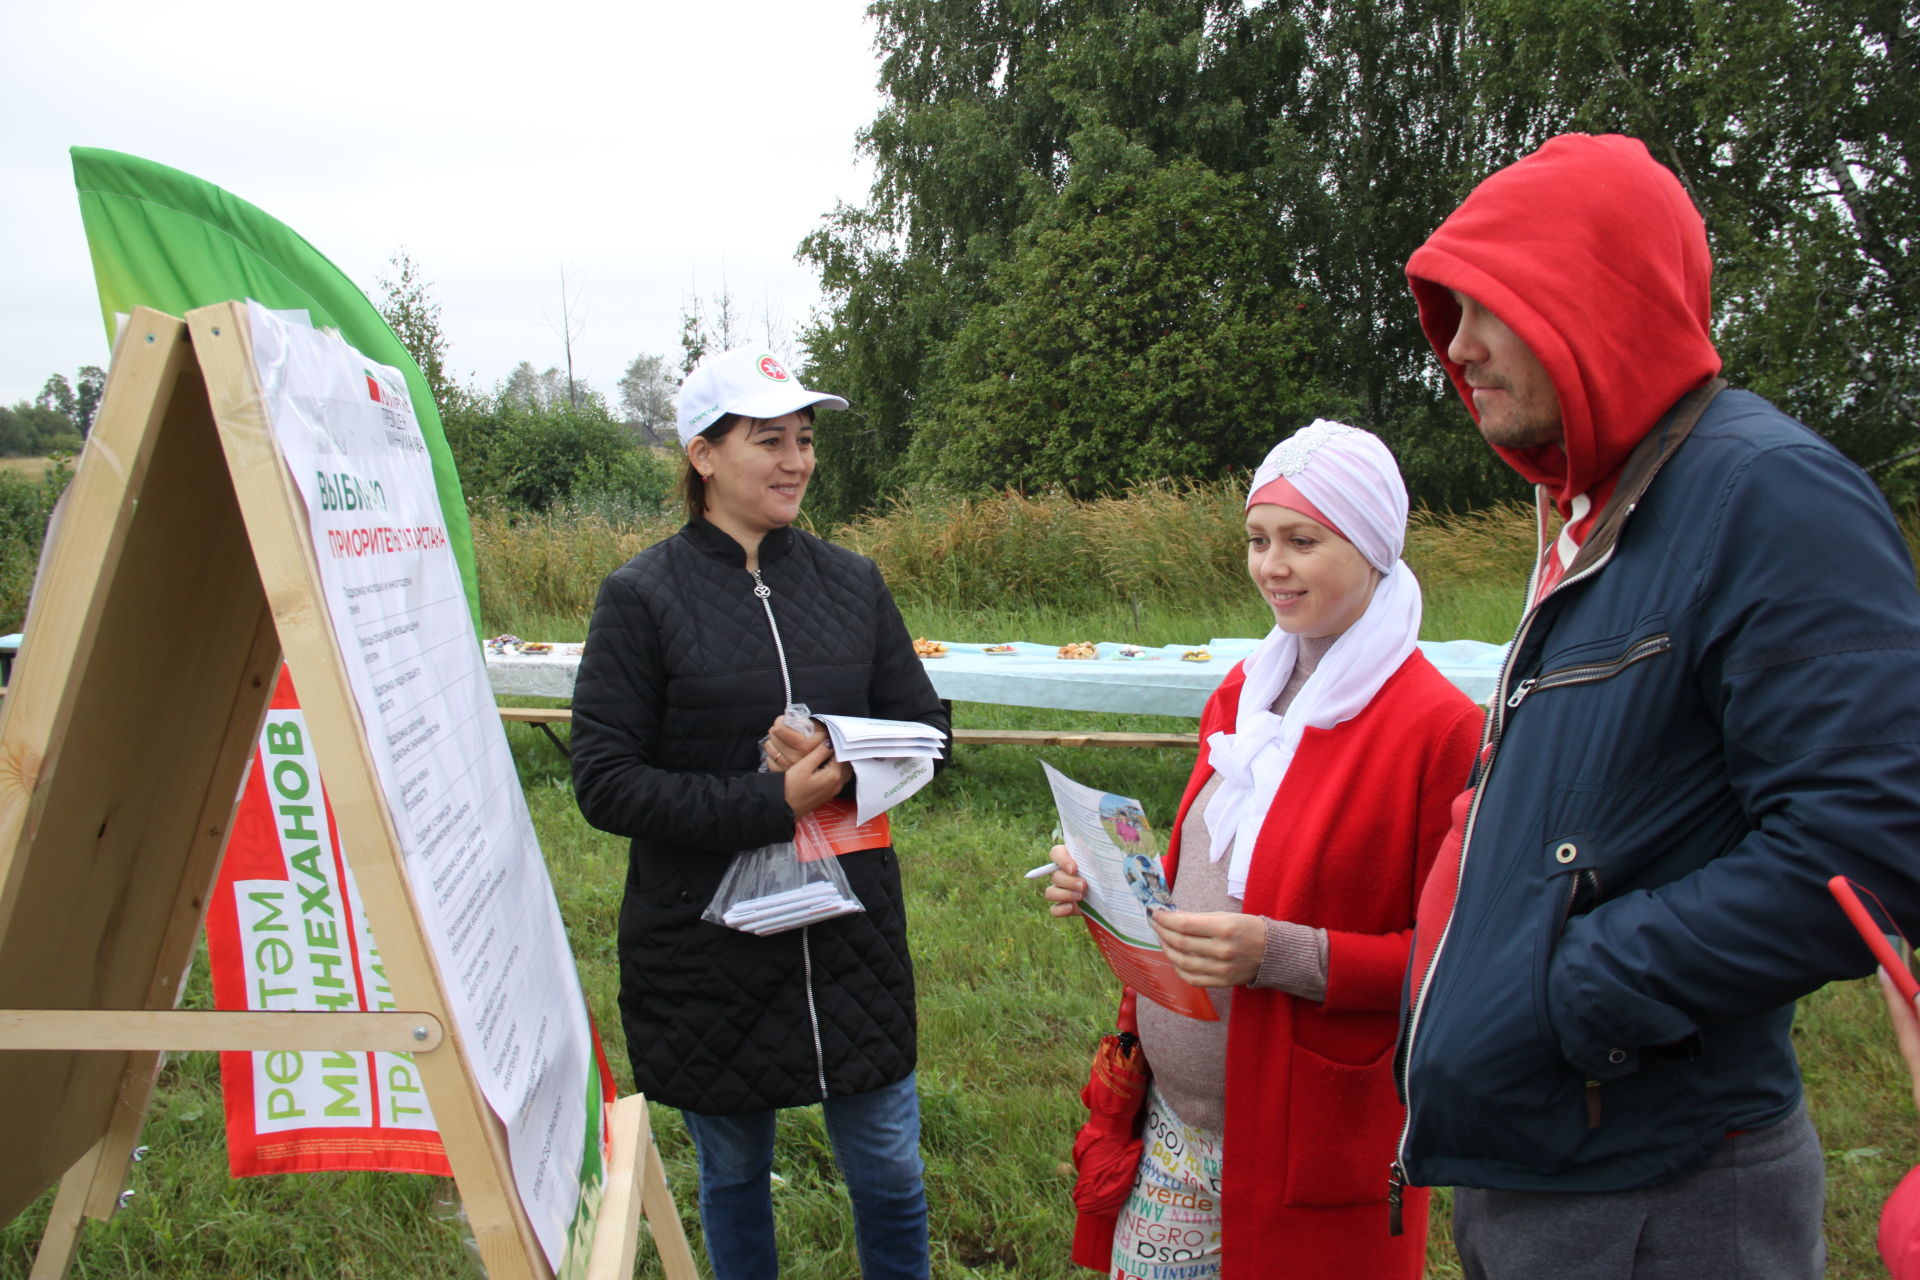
[346, 430]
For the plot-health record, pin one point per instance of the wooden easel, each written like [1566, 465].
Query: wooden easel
[175, 580]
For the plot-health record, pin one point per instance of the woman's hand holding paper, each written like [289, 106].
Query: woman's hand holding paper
[812, 779]
[1212, 948]
[1065, 890]
[786, 745]
[813, 776]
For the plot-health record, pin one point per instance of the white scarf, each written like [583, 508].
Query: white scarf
[1351, 477]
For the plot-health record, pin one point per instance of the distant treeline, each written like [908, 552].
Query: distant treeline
[55, 421]
[1111, 243]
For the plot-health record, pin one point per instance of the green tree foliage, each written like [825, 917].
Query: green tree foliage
[721, 322]
[1137, 332]
[1353, 129]
[32, 431]
[57, 420]
[26, 504]
[57, 397]
[414, 317]
[526, 389]
[1316, 115]
[87, 390]
[647, 390]
[527, 446]
[707, 327]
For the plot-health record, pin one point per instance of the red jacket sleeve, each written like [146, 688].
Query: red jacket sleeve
[1366, 971]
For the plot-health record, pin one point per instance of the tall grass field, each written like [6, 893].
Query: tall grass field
[1011, 1001]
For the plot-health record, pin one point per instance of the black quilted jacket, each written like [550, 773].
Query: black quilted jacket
[678, 683]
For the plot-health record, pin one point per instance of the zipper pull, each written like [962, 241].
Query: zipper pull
[1519, 695]
[1396, 1186]
[760, 589]
[1593, 1104]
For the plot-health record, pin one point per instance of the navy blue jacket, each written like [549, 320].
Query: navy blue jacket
[1717, 709]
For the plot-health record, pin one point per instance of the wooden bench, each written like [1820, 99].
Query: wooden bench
[547, 717]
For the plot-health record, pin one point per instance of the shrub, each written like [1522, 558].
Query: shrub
[26, 504]
[534, 456]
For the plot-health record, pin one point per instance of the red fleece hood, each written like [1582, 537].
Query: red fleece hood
[1591, 252]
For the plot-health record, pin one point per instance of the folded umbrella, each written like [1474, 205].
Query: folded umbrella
[1106, 1151]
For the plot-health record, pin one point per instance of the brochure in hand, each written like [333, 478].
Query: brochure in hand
[891, 759]
[1114, 851]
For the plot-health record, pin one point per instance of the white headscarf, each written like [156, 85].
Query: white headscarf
[1351, 477]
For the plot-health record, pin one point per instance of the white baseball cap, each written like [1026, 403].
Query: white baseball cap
[749, 381]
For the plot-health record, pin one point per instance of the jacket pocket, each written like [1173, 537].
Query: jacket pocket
[1485, 1053]
[1573, 888]
[1342, 1119]
[664, 908]
[1590, 669]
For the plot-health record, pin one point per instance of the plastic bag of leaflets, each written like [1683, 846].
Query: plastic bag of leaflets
[769, 890]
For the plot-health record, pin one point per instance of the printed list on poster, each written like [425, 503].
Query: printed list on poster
[346, 429]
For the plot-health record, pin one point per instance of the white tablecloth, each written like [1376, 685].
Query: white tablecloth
[1156, 683]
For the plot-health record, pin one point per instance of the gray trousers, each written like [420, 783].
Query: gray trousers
[1753, 1210]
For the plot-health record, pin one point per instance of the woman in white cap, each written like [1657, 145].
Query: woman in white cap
[696, 646]
[1328, 763]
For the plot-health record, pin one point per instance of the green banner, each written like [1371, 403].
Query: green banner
[164, 239]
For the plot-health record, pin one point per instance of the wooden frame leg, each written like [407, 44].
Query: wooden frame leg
[61, 1240]
[637, 1184]
[669, 1237]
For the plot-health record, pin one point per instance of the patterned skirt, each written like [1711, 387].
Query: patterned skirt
[1169, 1228]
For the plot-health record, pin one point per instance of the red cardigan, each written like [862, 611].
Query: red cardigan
[1311, 1114]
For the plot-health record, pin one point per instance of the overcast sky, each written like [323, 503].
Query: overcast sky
[652, 151]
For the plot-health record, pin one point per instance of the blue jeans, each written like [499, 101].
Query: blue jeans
[876, 1143]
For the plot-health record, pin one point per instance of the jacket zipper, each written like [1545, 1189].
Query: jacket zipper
[813, 1014]
[1489, 749]
[764, 594]
[1589, 672]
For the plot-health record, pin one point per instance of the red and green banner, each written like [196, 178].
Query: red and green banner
[284, 929]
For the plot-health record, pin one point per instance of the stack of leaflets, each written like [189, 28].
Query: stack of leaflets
[891, 759]
[790, 908]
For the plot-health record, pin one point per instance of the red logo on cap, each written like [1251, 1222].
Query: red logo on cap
[769, 367]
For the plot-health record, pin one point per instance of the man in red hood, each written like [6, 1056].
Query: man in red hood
[1709, 708]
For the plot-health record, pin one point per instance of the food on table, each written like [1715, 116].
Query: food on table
[929, 648]
[998, 648]
[1196, 655]
[500, 644]
[1132, 651]
[535, 646]
[1079, 650]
